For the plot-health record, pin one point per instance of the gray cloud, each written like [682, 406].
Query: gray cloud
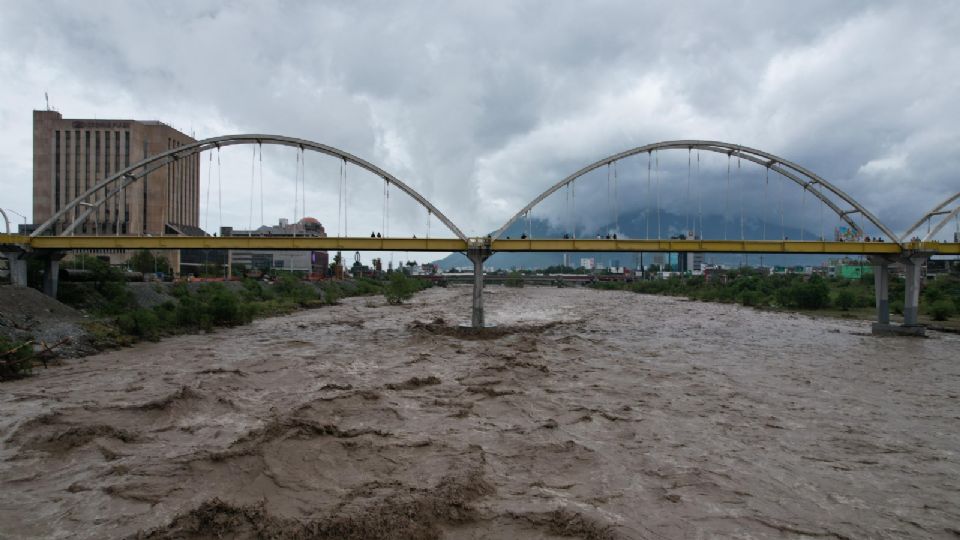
[482, 106]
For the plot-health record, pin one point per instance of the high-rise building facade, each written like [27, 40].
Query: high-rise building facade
[72, 155]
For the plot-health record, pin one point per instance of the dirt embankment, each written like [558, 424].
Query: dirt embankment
[28, 314]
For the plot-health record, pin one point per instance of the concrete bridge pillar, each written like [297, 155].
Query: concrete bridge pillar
[912, 264]
[51, 272]
[18, 268]
[478, 250]
[911, 303]
[881, 285]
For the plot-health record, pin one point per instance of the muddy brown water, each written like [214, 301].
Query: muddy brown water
[588, 414]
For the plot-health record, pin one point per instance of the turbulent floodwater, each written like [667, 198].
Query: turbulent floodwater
[587, 414]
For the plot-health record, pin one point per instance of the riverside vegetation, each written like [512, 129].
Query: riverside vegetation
[748, 287]
[121, 317]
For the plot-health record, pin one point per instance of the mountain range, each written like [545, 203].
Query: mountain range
[637, 225]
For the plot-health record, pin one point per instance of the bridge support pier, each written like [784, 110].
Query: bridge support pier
[17, 262]
[912, 265]
[881, 285]
[478, 251]
[911, 301]
[51, 272]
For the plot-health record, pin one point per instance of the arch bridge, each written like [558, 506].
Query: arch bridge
[911, 252]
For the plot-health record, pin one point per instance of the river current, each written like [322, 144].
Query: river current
[592, 414]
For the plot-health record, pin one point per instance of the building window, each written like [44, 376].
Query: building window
[66, 167]
[76, 166]
[145, 179]
[86, 161]
[106, 154]
[56, 173]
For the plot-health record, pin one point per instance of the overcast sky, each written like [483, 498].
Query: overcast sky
[480, 106]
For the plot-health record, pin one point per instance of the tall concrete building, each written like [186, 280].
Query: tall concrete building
[71, 155]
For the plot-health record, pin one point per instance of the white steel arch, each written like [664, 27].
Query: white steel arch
[800, 175]
[938, 210]
[152, 163]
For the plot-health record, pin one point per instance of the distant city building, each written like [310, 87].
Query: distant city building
[71, 155]
[314, 262]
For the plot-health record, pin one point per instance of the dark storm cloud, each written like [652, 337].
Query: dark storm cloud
[480, 106]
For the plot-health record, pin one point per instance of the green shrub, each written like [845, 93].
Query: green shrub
[751, 298]
[292, 288]
[366, 287]
[223, 307]
[400, 288]
[941, 310]
[515, 279]
[140, 322]
[845, 300]
[332, 293]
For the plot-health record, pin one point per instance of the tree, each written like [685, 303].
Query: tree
[147, 262]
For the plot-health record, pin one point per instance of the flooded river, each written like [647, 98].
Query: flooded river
[585, 414]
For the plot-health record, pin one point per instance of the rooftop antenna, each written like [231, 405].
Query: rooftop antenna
[47, 99]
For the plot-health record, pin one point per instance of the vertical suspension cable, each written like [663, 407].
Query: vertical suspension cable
[383, 212]
[649, 199]
[339, 200]
[699, 195]
[657, 158]
[766, 210]
[260, 146]
[253, 174]
[609, 190]
[726, 201]
[783, 231]
[742, 190]
[296, 193]
[219, 188]
[616, 201]
[303, 185]
[803, 208]
[573, 205]
[346, 228]
[206, 220]
[689, 152]
[566, 208]
[822, 204]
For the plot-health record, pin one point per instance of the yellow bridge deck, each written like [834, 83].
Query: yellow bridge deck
[274, 243]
